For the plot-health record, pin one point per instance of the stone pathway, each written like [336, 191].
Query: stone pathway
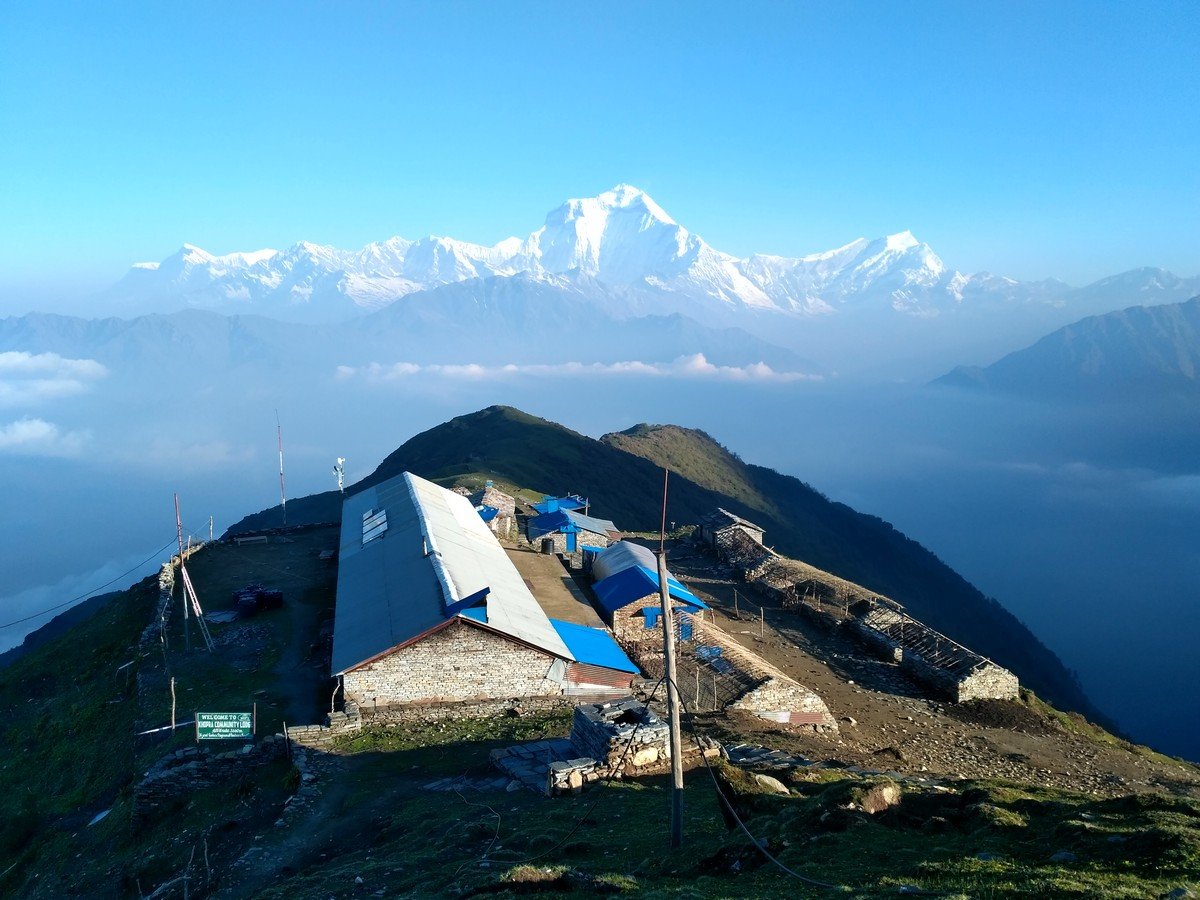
[530, 763]
[463, 783]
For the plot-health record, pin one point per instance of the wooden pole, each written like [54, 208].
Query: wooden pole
[736, 615]
[672, 706]
[762, 623]
[668, 625]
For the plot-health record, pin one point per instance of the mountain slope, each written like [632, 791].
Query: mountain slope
[622, 476]
[1141, 351]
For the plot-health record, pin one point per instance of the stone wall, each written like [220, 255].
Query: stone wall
[934, 659]
[620, 739]
[194, 768]
[459, 662]
[351, 719]
[878, 622]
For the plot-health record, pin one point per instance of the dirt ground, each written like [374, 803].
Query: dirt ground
[889, 722]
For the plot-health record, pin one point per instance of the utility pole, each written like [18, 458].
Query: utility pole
[668, 626]
[282, 492]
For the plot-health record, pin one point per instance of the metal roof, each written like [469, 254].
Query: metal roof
[566, 520]
[435, 552]
[551, 504]
[591, 523]
[723, 518]
[593, 646]
[627, 572]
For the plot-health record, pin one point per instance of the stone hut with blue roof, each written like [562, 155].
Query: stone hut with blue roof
[430, 609]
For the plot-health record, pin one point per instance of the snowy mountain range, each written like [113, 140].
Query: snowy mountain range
[620, 240]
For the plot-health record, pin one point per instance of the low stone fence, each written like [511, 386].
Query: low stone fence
[195, 768]
[354, 718]
[934, 659]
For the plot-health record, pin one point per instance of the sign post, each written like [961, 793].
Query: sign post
[220, 726]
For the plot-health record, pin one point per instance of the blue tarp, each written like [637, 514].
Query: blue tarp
[487, 513]
[593, 646]
[633, 584]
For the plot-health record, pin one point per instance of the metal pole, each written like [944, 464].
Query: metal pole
[672, 706]
[172, 704]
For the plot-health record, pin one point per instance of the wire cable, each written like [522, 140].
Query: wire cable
[84, 596]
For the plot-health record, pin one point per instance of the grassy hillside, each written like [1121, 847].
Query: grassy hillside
[622, 476]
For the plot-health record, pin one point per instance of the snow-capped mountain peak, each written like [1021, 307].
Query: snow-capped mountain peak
[621, 239]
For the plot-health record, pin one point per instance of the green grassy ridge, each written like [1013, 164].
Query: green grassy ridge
[622, 476]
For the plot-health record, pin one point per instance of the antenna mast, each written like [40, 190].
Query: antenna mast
[282, 492]
[189, 592]
[339, 471]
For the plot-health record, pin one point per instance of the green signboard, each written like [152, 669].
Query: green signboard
[217, 726]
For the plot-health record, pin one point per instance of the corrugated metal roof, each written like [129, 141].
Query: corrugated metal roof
[627, 572]
[566, 520]
[593, 646]
[591, 523]
[435, 552]
[723, 518]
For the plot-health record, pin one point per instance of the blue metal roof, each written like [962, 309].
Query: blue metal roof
[550, 523]
[593, 646]
[553, 504]
[636, 583]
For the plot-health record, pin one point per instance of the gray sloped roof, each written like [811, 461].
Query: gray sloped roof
[435, 552]
[590, 523]
[723, 518]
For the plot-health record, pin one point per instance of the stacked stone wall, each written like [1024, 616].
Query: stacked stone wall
[195, 768]
[459, 662]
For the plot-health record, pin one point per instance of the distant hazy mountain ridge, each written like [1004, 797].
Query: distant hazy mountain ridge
[1142, 350]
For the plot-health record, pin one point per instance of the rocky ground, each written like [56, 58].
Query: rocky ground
[889, 722]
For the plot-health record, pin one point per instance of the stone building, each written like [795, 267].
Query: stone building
[430, 610]
[497, 509]
[569, 531]
[626, 584]
[718, 526]
[878, 622]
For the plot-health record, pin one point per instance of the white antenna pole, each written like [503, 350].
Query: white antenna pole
[210, 528]
[187, 635]
[339, 470]
[282, 492]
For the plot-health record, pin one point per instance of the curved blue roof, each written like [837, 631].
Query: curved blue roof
[635, 583]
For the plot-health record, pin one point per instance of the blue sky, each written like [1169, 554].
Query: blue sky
[1030, 139]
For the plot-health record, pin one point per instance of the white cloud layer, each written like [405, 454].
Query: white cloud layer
[29, 379]
[694, 366]
[37, 437]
